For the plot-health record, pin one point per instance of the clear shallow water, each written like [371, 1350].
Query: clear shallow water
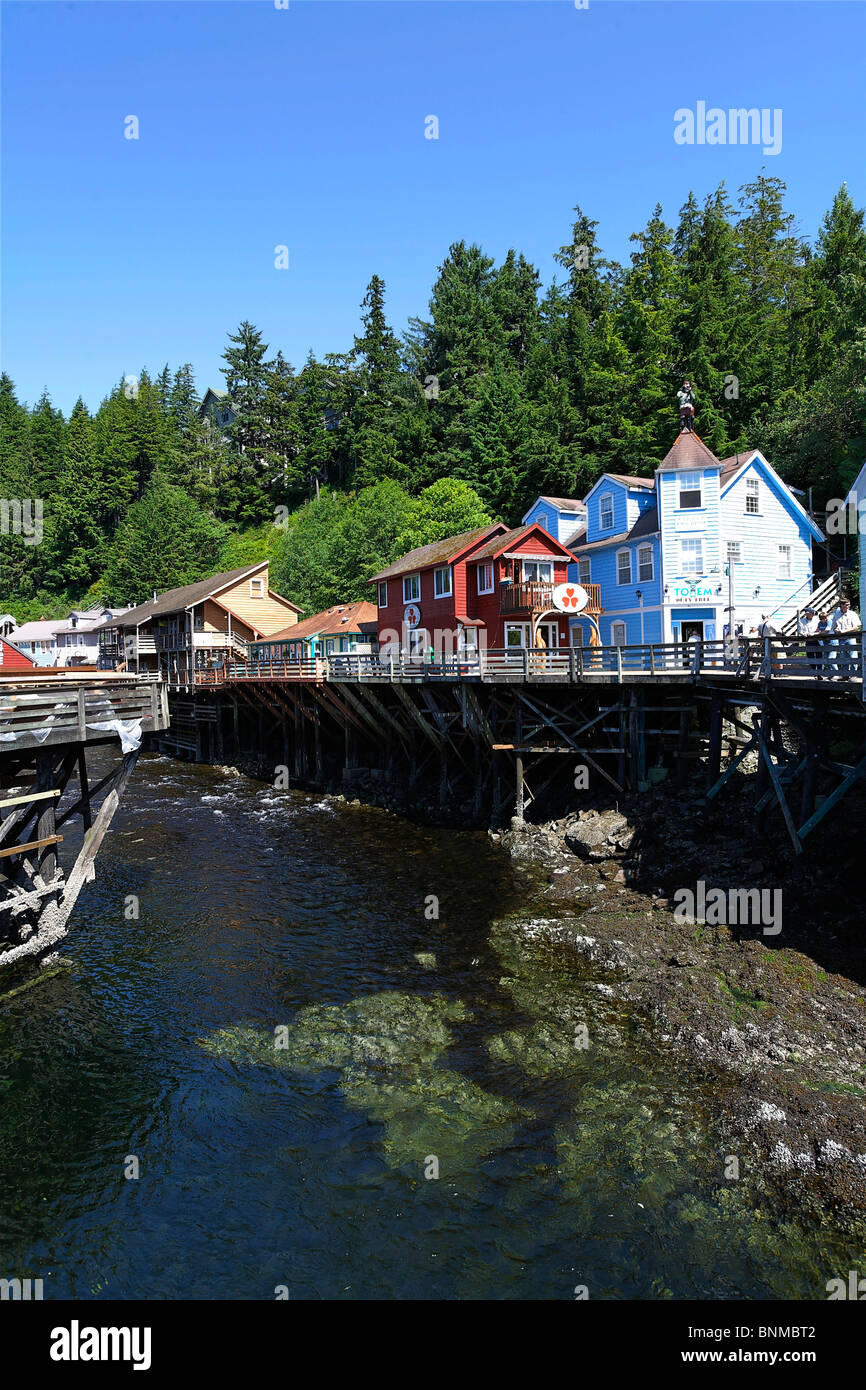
[304, 1165]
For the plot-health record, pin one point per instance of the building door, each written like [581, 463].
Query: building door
[549, 635]
[695, 628]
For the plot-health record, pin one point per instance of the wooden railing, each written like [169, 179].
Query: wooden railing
[47, 711]
[838, 657]
[532, 598]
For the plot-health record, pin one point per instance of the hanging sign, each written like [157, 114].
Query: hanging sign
[570, 598]
[412, 616]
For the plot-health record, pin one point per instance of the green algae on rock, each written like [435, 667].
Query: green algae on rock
[434, 1112]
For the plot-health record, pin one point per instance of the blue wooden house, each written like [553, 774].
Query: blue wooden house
[564, 518]
[703, 543]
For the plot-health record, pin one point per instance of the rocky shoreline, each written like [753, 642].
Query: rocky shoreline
[774, 1024]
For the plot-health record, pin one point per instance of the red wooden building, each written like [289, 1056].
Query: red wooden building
[489, 588]
[13, 660]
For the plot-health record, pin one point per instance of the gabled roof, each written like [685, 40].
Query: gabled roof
[565, 504]
[687, 453]
[630, 480]
[358, 617]
[623, 480]
[175, 600]
[732, 467]
[438, 553]
[42, 630]
[647, 524]
[497, 544]
[857, 490]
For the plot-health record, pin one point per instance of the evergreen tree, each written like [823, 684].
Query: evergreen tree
[165, 541]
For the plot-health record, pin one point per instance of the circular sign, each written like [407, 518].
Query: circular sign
[570, 598]
[411, 615]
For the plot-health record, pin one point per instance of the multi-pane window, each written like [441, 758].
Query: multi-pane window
[257, 588]
[784, 562]
[584, 571]
[692, 553]
[645, 563]
[617, 634]
[753, 495]
[383, 593]
[690, 489]
[411, 588]
[442, 582]
[541, 520]
[485, 578]
[605, 512]
[623, 567]
[537, 571]
[734, 553]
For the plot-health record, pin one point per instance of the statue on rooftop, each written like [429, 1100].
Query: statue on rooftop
[686, 398]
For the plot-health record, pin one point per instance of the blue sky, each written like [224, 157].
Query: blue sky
[305, 127]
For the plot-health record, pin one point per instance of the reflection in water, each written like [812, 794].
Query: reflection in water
[285, 1042]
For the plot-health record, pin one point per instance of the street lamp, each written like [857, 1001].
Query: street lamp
[638, 593]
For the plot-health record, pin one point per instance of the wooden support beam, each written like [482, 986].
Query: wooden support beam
[31, 844]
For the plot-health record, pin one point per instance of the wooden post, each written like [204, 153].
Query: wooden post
[683, 748]
[45, 827]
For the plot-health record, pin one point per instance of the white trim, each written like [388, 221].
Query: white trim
[644, 545]
[624, 550]
[415, 578]
[446, 593]
[380, 585]
[603, 498]
[483, 564]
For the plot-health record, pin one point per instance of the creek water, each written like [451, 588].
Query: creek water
[291, 1045]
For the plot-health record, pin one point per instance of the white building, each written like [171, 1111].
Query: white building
[69, 641]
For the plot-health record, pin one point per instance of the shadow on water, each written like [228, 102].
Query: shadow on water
[403, 1043]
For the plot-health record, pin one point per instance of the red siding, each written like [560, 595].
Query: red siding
[438, 614]
[11, 659]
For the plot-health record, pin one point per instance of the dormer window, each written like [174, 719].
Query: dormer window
[690, 490]
[605, 512]
[541, 520]
[257, 588]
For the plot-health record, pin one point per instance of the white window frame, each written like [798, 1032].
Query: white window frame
[257, 588]
[525, 564]
[690, 483]
[753, 494]
[646, 578]
[411, 588]
[785, 562]
[616, 628]
[541, 520]
[418, 642]
[619, 573]
[691, 546]
[483, 569]
[603, 525]
[584, 578]
[737, 558]
[437, 573]
[383, 593]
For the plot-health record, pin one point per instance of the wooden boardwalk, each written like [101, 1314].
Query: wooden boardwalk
[49, 721]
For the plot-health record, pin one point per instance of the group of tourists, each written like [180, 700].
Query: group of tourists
[831, 641]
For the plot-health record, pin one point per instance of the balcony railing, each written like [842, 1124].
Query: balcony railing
[531, 598]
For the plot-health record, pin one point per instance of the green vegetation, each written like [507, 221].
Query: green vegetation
[504, 391]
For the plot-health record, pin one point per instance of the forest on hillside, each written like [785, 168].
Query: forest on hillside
[504, 391]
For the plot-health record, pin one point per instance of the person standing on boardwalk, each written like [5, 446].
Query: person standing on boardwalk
[807, 627]
[845, 624]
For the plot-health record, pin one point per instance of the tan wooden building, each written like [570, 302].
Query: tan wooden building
[197, 627]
